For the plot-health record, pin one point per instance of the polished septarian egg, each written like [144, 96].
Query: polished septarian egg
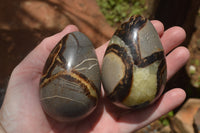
[134, 66]
[70, 84]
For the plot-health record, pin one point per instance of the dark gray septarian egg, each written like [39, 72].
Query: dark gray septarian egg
[134, 66]
[70, 84]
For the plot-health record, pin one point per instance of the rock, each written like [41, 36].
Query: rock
[183, 120]
[55, 15]
[41, 14]
[165, 129]
[154, 127]
[197, 121]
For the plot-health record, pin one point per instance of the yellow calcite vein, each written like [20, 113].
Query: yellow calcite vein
[74, 75]
[144, 87]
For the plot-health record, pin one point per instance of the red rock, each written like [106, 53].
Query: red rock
[197, 121]
[87, 16]
[56, 14]
[165, 129]
[40, 14]
[153, 127]
[183, 120]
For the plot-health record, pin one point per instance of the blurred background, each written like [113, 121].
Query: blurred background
[24, 23]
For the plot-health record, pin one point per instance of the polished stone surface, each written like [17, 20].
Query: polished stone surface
[134, 66]
[70, 85]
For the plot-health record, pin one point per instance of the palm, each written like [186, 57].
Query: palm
[21, 111]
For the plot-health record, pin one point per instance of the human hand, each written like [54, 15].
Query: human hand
[21, 111]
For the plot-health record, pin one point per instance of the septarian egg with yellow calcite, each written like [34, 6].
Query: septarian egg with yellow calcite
[134, 65]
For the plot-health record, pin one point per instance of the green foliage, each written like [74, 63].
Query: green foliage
[116, 11]
[199, 12]
[198, 40]
[165, 119]
[197, 83]
[165, 122]
[170, 114]
[196, 62]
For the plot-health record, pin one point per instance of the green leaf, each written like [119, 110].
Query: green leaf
[165, 122]
[116, 11]
[170, 114]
